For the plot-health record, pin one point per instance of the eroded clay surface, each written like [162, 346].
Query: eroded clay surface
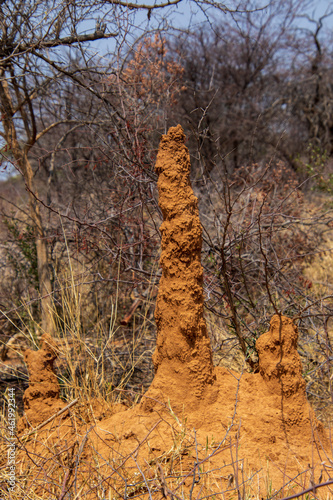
[41, 399]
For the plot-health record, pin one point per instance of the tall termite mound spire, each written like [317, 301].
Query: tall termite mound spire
[183, 358]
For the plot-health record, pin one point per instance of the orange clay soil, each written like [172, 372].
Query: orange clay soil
[254, 432]
[41, 399]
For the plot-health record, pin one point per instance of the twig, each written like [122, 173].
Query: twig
[130, 313]
[195, 480]
[63, 489]
[308, 490]
[51, 418]
[165, 489]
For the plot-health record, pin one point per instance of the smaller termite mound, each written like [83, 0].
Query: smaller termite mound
[183, 358]
[41, 399]
[279, 362]
[281, 369]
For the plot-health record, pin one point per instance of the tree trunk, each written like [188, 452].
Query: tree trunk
[21, 157]
[44, 278]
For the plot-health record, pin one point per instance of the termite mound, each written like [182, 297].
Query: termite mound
[41, 399]
[183, 356]
[279, 362]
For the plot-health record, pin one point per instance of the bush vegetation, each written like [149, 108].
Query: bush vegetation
[80, 236]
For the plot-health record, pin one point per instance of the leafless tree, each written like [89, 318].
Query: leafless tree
[41, 44]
